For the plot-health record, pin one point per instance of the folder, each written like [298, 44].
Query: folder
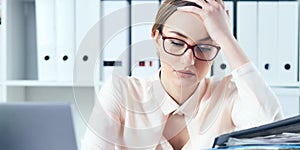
[144, 60]
[65, 38]
[288, 30]
[87, 59]
[247, 29]
[115, 40]
[220, 66]
[278, 42]
[267, 41]
[46, 43]
[289, 125]
[87, 14]
[87, 29]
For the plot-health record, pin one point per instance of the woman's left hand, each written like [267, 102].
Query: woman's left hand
[216, 19]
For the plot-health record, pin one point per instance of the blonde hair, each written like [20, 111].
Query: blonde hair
[166, 10]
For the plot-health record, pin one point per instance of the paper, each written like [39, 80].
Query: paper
[280, 139]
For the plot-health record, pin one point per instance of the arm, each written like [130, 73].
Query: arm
[217, 22]
[104, 125]
[254, 103]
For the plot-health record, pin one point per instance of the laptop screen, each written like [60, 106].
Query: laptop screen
[36, 126]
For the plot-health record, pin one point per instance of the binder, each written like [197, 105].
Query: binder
[144, 61]
[87, 14]
[289, 125]
[1, 13]
[220, 66]
[288, 31]
[247, 29]
[87, 29]
[115, 40]
[87, 59]
[65, 38]
[46, 43]
[278, 42]
[2, 59]
[267, 41]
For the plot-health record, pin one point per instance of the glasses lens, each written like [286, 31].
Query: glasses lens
[174, 46]
[205, 52]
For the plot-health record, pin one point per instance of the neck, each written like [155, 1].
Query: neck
[179, 93]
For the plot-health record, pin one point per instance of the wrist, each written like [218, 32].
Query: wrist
[233, 52]
[227, 41]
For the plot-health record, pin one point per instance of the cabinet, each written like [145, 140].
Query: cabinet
[271, 41]
[289, 99]
[19, 67]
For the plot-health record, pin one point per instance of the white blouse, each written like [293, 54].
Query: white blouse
[131, 113]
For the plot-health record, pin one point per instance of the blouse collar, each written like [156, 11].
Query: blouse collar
[189, 108]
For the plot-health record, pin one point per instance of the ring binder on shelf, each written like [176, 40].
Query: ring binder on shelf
[114, 39]
[65, 39]
[87, 29]
[247, 28]
[46, 43]
[142, 45]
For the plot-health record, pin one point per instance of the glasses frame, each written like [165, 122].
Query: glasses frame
[189, 47]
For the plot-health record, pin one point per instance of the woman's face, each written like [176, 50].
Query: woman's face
[184, 70]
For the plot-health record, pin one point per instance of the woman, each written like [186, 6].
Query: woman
[179, 108]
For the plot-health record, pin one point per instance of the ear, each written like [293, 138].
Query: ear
[156, 37]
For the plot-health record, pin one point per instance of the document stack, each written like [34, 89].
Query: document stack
[283, 135]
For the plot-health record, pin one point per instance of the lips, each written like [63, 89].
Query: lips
[184, 73]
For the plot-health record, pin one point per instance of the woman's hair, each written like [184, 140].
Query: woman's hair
[166, 10]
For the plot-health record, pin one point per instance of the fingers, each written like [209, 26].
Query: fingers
[202, 3]
[214, 3]
[228, 13]
[206, 4]
[221, 2]
[191, 9]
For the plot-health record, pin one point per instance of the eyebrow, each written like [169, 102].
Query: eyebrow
[184, 36]
[204, 39]
[179, 34]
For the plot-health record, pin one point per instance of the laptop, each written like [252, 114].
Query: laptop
[36, 126]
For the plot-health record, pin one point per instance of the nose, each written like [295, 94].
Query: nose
[188, 57]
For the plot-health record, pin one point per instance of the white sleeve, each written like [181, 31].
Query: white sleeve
[104, 125]
[255, 103]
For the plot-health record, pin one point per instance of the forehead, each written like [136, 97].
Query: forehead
[186, 23]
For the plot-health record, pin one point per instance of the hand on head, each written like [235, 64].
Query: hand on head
[214, 16]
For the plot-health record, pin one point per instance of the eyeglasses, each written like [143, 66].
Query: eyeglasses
[177, 47]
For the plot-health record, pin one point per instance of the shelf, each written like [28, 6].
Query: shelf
[289, 86]
[35, 83]
[287, 91]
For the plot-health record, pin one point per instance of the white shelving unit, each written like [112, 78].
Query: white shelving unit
[289, 99]
[18, 66]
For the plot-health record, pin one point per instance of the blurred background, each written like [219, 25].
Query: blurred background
[64, 50]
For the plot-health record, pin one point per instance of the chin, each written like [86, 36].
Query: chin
[185, 82]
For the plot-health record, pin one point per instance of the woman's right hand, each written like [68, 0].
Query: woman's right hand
[215, 18]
